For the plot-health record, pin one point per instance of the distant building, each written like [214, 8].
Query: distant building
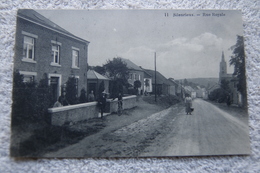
[175, 87]
[135, 74]
[44, 48]
[201, 93]
[223, 70]
[189, 90]
[235, 95]
[148, 86]
[162, 83]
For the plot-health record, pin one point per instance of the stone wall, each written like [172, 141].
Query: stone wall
[74, 113]
[128, 103]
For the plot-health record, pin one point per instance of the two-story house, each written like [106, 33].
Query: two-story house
[44, 48]
[135, 73]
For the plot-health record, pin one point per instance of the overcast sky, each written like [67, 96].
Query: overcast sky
[186, 46]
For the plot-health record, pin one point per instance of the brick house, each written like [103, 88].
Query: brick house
[44, 48]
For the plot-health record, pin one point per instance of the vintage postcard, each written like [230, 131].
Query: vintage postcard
[129, 83]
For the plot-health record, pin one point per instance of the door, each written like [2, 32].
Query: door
[55, 88]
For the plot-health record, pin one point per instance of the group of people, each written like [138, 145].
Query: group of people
[62, 101]
[103, 99]
[91, 97]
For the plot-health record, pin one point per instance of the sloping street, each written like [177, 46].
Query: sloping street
[169, 132]
[208, 131]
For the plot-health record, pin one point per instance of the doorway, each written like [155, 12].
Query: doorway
[55, 88]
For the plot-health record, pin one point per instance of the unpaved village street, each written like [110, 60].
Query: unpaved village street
[168, 132]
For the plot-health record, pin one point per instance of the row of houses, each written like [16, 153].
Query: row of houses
[146, 77]
[44, 48]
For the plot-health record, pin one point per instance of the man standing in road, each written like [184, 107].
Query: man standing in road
[120, 104]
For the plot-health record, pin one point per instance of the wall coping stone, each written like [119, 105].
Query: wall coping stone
[70, 107]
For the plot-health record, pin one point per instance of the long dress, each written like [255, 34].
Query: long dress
[188, 104]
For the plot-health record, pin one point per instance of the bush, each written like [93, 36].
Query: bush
[30, 101]
[219, 95]
[82, 97]
[71, 91]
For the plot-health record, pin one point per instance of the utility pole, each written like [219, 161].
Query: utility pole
[155, 89]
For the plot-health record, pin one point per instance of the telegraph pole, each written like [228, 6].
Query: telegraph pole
[155, 89]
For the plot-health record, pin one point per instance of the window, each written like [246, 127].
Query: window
[28, 76]
[75, 58]
[28, 48]
[55, 53]
[130, 76]
[55, 49]
[134, 76]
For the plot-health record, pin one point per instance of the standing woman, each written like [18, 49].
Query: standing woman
[188, 104]
[91, 96]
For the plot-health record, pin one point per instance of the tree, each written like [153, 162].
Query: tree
[225, 85]
[100, 70]
[146, 83]
[185, 83]
[117, 70]
[44, 98]
[238, 61]
[137, 84]
[30, 100]
[101, 88]
[218, 95]
[82, 97]
[71, 91]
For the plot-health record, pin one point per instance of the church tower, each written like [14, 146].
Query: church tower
[222, 67]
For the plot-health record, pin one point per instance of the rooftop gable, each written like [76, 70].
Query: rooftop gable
[91, 74]
[160, 79]
[37, 18]
[130, 65]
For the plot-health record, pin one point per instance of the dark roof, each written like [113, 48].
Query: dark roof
[91, 74]
[130, 65]
[160, 79]
[146, 74]
[173, 81]
[35, 17]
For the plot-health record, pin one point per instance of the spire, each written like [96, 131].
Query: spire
[223, 67]
[223, 58]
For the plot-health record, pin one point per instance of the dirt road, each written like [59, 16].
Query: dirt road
[208, 131]
[169, 132]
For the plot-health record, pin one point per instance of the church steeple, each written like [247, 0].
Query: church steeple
[222, 67]
[223, 58]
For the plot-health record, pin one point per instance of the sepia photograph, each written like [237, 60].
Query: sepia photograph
[129, 83]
